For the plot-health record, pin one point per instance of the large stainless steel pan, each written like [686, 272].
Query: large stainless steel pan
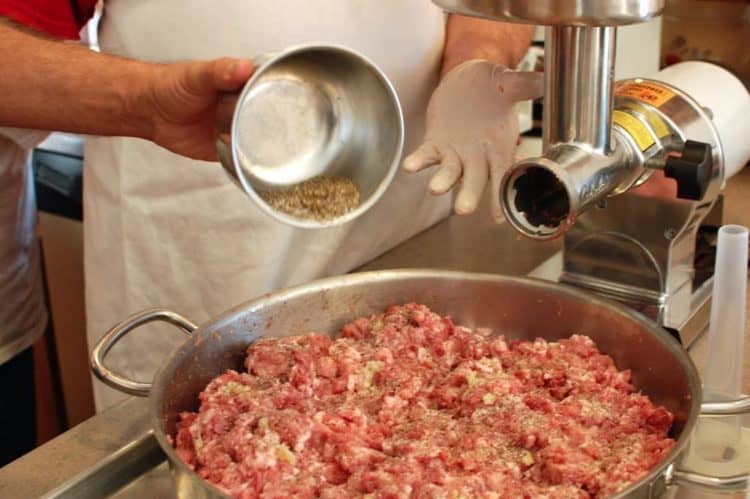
[516, 307]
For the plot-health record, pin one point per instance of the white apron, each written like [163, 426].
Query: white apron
[165, 231]
[23, 314]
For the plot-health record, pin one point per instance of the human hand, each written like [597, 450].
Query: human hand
[182, 101]
[472, 130]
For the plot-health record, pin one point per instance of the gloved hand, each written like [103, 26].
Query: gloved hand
[472, 130]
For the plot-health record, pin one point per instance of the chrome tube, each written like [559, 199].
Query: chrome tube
[579, 76]
[541, 197]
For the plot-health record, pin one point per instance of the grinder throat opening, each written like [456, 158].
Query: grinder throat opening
[536, 201]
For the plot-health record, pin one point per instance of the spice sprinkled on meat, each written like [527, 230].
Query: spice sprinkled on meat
[405, 404]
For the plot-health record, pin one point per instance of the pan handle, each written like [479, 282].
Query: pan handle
[119, 381]
[738, 406]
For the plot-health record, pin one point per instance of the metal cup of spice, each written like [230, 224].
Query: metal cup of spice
[314, 137]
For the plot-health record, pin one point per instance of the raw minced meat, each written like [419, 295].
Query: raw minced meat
[405, 404]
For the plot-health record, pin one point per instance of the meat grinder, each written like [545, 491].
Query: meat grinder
[631, 172]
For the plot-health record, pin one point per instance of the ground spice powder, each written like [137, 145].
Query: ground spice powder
[320, 198]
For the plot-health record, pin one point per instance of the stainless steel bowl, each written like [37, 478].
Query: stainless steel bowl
[516, 307]
[307, 111]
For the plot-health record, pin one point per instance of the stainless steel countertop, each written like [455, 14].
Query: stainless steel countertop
[471, 243]
[75, 451]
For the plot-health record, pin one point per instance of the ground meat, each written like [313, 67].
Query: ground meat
[405, 404]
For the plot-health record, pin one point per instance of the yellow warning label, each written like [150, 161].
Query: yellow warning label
[651, 93]
[635, 128]
[660, 127]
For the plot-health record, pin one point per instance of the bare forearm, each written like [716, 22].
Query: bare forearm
[50, 85]
[470, 38]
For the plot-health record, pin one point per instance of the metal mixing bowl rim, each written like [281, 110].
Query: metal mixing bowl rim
[321, 285]
[384, 182]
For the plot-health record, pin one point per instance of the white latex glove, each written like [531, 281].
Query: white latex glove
[472, 130]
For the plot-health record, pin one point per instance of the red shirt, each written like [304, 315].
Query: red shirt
[59, 18]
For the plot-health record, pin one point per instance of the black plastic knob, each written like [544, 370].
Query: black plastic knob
[691, 170]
